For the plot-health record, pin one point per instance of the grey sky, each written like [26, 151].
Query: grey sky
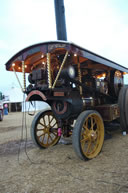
[98, 25]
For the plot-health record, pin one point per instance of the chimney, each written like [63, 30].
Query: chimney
[60, 20]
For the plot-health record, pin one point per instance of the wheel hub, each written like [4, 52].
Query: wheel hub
[92, 135]
[47, 129]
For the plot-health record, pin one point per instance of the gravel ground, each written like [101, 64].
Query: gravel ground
[58, 169]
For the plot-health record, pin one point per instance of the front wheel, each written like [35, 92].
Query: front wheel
[88, 134]
[44, 129]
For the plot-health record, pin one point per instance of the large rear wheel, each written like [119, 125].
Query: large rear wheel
[44, 129]
[88, 134]
[123, 107]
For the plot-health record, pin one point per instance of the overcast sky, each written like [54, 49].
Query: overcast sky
[97, 25]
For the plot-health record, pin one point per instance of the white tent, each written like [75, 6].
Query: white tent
[15, 95]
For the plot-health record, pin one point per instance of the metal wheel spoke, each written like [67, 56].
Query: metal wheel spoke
[43, 138]
[51, 120]
[89, 146]
[54, 134]
[53, 125]
[95, 143]
[50, 137]
[84, 140]
[47, 139]
[84, 135]
[44, 120]
[86, 123]
[41, 135]
[92, 123]
[42, 124]
[97, 129]
[41, 129]
[86, 127]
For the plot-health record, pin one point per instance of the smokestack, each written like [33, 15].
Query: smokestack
[60, 20]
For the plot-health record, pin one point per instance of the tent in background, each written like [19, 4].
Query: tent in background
[15, 97]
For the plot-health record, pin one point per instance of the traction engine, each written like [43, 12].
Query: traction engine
[83, 89]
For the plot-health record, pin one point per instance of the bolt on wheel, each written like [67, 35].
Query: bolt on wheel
[44, 129]
[88, 134]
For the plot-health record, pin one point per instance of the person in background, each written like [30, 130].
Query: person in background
[5, 109]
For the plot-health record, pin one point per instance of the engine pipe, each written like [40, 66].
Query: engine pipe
[60, 20]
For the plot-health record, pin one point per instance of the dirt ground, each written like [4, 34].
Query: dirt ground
[58, 169]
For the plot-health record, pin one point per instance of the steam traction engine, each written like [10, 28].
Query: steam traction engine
[83, 89]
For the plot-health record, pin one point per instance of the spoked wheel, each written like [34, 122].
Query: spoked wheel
[88, 134]
[44, 129]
